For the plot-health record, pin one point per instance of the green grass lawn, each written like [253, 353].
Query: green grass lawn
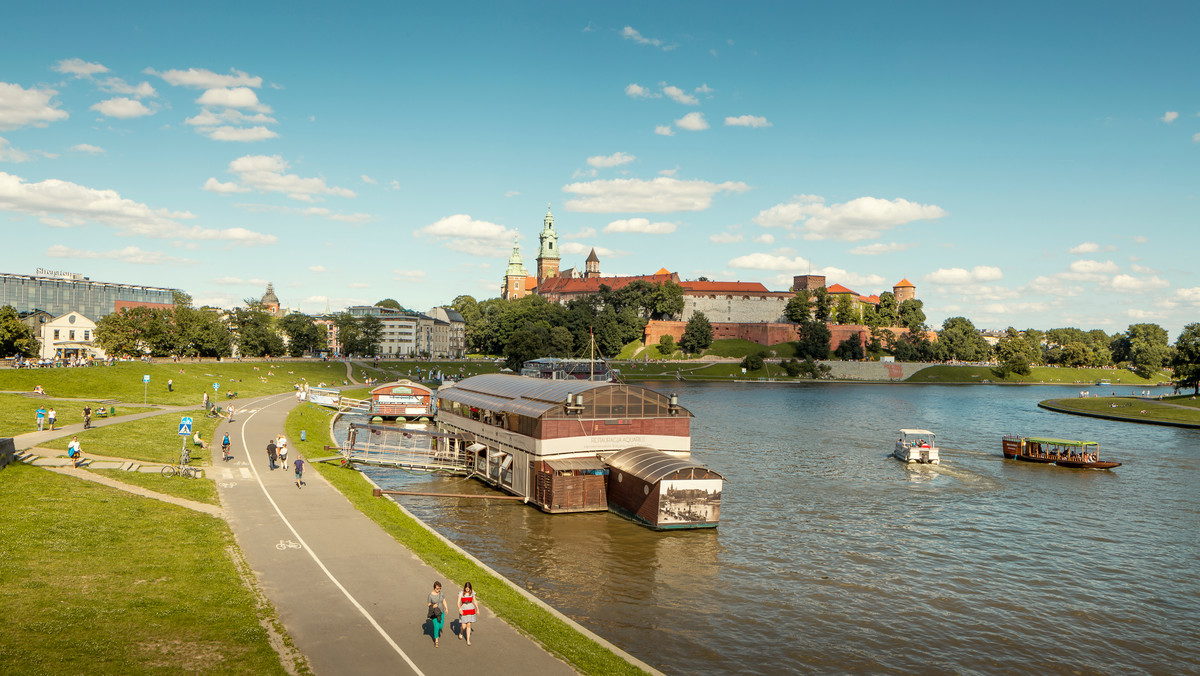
[1085, 377]
[1128, 408]
[199, 490]
[76, 602]
[18, 412]
[555, 635]
[154, 439]
[1184, 400]
[123, 381]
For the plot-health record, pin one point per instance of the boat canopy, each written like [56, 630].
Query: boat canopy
[916, 433]
[652, 465]
[1062, 442]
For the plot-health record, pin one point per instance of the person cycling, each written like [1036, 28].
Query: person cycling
[87, 417]
[225, 447]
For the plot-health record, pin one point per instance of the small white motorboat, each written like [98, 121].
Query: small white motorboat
[917, 446]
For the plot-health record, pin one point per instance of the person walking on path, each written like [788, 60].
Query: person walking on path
[41, 418]
[271, 454]
[75, 451]
[52, 416]
[231, 413]
[282, 448]
[466, 611]
[299, 462]
[171, 385]
[437, 611]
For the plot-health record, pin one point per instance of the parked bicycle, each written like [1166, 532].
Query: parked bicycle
[182, 470]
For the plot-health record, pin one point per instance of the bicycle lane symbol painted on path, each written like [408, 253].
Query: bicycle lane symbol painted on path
[287, 544]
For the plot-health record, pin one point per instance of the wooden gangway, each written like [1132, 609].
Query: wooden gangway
[409, 448]
[348, 405]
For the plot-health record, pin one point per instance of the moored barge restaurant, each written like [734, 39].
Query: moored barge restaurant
[555, 443]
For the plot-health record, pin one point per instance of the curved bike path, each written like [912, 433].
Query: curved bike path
[351, 597]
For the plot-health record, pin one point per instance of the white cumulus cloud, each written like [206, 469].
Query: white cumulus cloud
[1170, 117]
[115, 85]
[243, 134]
[130, 254]
[1189, 295]
[200, 78]
[1131, 284]
[79, 68]
[20, 107]
[316, 268]
[630, 34]
[10, 154]
[232, 97]
[692, 122]
[765, 261]
[73, 204]
[879, 248]
[213, 185]
[725, 238]
[122, 107]
[640, 225]
[679, 96]
[1086, 247]
[664, 130]
[636, 91]
[614, 160]
[747, 121]
[462, 233]
[87, 148]
[858, 219]
[961, 276]
[659, 195]
[265, 173]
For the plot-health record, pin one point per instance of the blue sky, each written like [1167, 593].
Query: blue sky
[1030, 164]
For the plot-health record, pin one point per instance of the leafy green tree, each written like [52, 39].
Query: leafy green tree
[371, 328]
[889, 313]
[1035, 339]
[666, 345]
[389, 303]
[850, 348]
[913, 347]
[304, 336]
[525, 344]
[822, 305]
[845, 311]
[960, 340]
[697, 335]
[799, 308]
[1014, 353]
[1148, 349]
[754, 362]
[813, 342]
[16, 337]
[1075, 354]
[791, 367]
[912, 315]
[561, 343]
[667, 301]
[256, 335]
[1186, 360]
[349, 333]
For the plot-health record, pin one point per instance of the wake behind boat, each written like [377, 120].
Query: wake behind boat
[1061, 452]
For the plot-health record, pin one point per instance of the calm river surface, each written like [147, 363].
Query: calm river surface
[831, 557]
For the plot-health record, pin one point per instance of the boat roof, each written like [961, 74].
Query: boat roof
[1062, 442]
[652, 465]
[912, 432]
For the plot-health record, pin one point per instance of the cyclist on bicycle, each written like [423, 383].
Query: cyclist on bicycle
[87, 416]
[225, 447]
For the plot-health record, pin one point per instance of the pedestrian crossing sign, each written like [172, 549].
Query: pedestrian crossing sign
[185, 425]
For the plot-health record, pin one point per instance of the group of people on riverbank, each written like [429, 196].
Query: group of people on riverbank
[437, 611]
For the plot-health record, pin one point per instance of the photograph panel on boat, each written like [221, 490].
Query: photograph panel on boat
[689, 501]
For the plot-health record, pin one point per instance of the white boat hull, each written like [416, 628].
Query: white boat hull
[927, 456]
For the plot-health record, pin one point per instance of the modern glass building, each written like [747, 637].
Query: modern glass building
[61, 292]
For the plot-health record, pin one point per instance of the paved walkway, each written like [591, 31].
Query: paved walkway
[351, 597]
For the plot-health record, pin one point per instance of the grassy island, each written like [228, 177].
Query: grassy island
[1180, 411]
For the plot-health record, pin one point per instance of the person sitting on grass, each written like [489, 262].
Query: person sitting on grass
[199, 442]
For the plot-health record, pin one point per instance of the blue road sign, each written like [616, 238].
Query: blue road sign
[146, 378]
[185, 429]
[216, 386]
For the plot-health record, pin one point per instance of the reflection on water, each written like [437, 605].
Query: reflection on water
[833, 557]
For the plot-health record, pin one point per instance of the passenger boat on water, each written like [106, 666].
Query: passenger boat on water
[917, 446]
[1061, 452]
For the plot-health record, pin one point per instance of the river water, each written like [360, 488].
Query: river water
[831, 557]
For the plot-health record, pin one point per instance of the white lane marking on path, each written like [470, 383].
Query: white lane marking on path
[315, 558]
[245, 472]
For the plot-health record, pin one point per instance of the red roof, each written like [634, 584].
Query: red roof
[838, 288]
[872, 299]
[724, 287]
[565, 285]
[905, 282]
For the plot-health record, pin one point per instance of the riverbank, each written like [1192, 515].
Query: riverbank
[1131, 409]
[584, 651]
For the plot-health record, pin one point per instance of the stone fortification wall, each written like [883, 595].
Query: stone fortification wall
[873, 370]
[735, 308]
[763, 333]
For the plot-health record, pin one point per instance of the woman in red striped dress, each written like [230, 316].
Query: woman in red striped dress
[466, 611]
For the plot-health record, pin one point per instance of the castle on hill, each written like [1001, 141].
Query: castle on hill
[735, 309]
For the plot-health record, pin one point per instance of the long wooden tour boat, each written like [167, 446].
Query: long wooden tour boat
[1061, 452]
